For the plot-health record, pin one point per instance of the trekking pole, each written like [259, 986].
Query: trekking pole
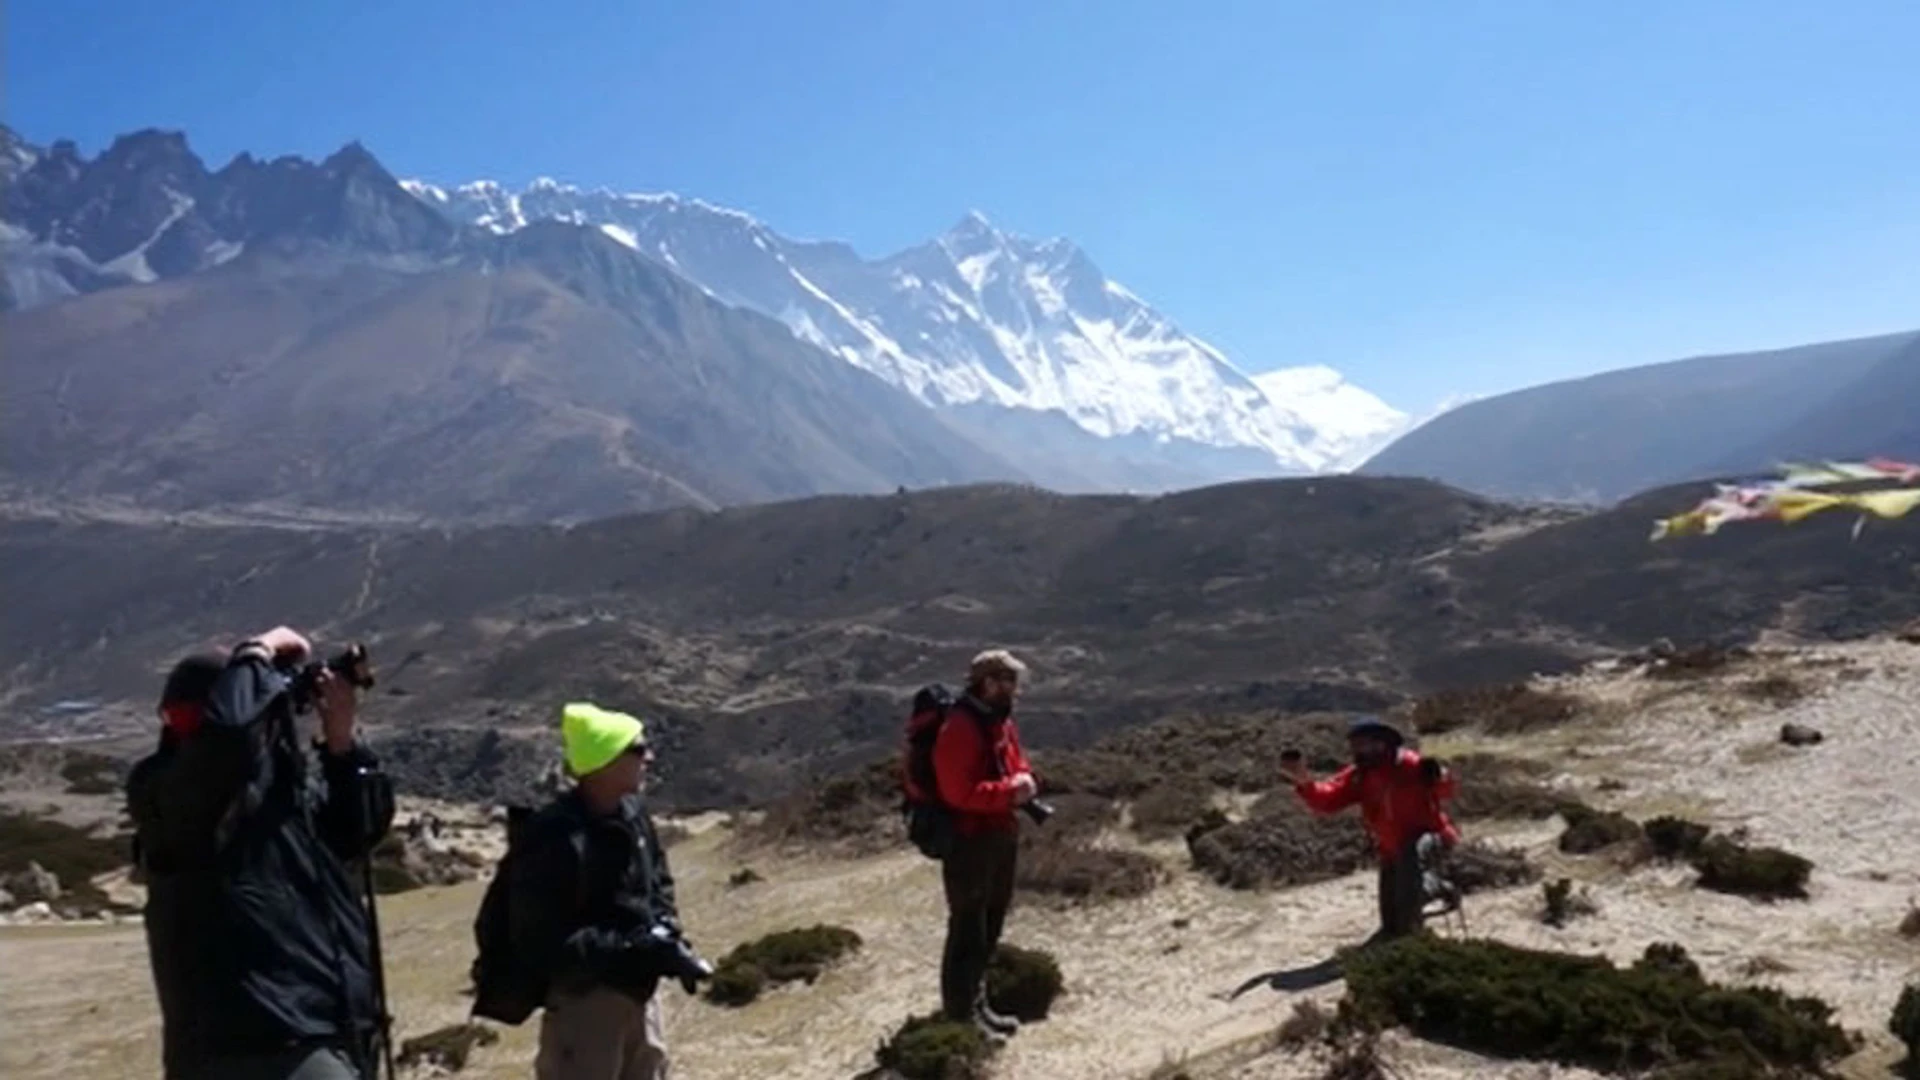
[376, 964]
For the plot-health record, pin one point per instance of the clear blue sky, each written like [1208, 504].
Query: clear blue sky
[1432, 197]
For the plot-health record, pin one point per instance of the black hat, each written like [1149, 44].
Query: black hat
[1373, 725]
[191, 680]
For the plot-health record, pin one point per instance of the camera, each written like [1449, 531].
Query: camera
[351, 663]
[677, 958]
[1037, 810]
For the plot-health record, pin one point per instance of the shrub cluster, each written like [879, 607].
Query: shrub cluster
[798, 955]
[1765, 873]
[933, 1047]
[1501, 1000]
[1589, 830]
[1281, 844]
[1023, 983]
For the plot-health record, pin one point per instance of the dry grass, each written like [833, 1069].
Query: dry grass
[75, 856]
[1510, 789]
[78, 1001]
[1778, 689]
[1309, 1022]
[1511, 709]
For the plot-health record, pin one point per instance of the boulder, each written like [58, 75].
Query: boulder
[1799, 735]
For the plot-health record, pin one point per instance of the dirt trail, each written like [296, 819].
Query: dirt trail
[1141, 974]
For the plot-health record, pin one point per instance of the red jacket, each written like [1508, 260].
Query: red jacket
[980, 795]
[1396, 802]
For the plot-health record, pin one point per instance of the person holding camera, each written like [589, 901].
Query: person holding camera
[1399, 794]
[592, 909]
[983, 776]
[260, 946]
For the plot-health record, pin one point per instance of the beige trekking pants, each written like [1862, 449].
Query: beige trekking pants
[602, 1035]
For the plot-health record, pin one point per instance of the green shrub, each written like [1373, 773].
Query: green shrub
[934, 1048]
[1501, 1000]
[798, 955]
[1763, 873]
[1674, 838]
[447, 1048]
[1665, 956]
[1023, 983]
[1562, 904]
[1282, 844]
[735, 984]
[1589, 830]
[1905, 1025]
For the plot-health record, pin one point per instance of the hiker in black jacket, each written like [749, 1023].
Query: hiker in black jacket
[592, 909]
[256, 934]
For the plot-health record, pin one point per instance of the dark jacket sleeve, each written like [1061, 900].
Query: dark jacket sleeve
[544, 902]
[359, 805]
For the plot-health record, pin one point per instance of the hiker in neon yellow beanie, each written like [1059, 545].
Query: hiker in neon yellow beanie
[595, 738]
[594, 926]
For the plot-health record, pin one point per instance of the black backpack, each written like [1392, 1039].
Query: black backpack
[506, 989]
[929, 821]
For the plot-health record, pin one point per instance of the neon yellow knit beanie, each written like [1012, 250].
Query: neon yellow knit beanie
[594, 737]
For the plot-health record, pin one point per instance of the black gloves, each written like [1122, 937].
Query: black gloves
[673, 958]
[1430, 769]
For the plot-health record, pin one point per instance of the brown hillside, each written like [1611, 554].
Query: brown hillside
[769, 637]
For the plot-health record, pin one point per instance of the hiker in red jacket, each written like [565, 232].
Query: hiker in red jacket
[983, 777]
[1399, 793]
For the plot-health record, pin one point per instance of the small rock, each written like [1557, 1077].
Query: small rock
[37, 912]
[34, 884]
[1799, 735]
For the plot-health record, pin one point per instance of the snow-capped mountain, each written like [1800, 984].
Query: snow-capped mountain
[978, 317]
[1351, 423]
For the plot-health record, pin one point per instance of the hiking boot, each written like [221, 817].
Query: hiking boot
[1004, 1025]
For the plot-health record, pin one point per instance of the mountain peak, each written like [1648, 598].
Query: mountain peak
[975, 316]
[148, 148]
[354, 158]
[973, 226]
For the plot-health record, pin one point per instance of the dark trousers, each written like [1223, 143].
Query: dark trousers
[978, 875]
[1403, 885]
